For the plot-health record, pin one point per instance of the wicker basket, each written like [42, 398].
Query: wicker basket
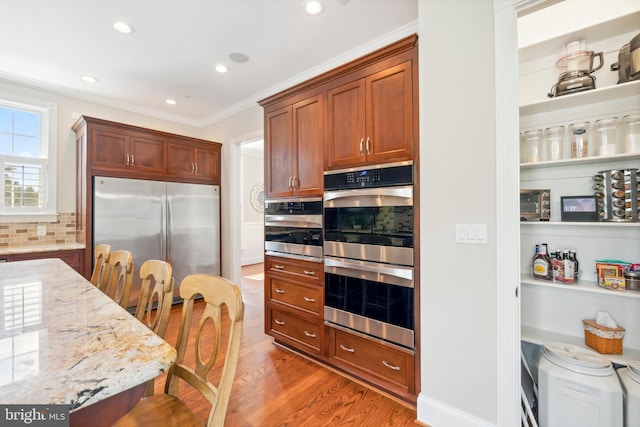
[602, 339]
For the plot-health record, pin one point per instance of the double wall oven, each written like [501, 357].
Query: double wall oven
[368, 251]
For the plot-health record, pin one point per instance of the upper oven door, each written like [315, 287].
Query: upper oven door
[374, 224]
[294, 227]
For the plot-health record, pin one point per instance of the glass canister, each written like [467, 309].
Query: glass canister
[554, 143]
[579, 134]
[606, 135]
[533, 145]
[523, 151]
[631, 125]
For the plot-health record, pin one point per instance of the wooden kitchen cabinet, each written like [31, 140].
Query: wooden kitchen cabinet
[294, 141]
[122, 150]
[379, 363]
[371, 120]
[294, 300]
[73, 257]
[193, 161]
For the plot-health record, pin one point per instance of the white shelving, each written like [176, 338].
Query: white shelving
[580, 286]
[539, 336]
[553, 311]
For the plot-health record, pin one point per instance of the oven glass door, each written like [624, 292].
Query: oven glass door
[372, 298]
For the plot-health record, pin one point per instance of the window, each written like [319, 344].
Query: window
[27, 161]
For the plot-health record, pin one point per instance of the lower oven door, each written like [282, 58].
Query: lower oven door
[372, 298]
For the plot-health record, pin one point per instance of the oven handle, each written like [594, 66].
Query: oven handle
[379, 196]
[383, 273]
[303, 221]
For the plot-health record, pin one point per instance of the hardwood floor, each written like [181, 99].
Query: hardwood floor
[274, 387]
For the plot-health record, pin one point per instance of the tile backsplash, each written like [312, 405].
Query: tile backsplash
[21, 234]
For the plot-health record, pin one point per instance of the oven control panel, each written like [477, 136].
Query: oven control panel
[375, 176]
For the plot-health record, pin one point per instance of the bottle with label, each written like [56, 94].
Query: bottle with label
[542, 264]
[576, 264]
[568, 267]
[556, 260]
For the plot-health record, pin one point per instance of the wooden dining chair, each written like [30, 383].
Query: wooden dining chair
[167, 409]
[154, 302]
[119, 277]
[101, 257]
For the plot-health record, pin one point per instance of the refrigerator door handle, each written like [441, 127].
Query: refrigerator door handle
[169, 229]
[163, 227]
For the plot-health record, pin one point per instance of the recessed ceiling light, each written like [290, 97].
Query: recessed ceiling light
[123, 27]
[221, 68]
[313, 7]
[239, 57]
[171, 101]
[89, 79]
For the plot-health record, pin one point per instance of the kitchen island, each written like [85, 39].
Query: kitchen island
[64, 342]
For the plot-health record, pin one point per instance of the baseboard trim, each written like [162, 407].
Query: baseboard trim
[438, 414]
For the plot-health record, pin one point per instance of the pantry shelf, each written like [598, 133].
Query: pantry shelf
[582, 161]
[540, 336]
[580, 224]
[580, 286]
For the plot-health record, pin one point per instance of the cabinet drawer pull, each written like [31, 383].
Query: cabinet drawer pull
[309, 334]
[350, 350]
[196, 168]
[307, 299]
[290, 183]
[133, 159]
[193, 167]
[367, 146]
[279, 291]
[361, 141]
[126, 162]
[279, 322]
[309, 272]
[390, 366]
[278, 266]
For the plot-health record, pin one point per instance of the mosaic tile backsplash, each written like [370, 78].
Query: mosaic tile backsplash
[21, 234]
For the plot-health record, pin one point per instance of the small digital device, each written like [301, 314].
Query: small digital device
[579, 208]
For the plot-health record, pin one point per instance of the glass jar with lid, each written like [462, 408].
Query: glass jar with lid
[631, 126]
[533, 146]
[579, 134]
[554, 143]
[606, 136]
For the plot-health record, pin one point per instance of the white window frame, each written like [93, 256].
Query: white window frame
[48, 148]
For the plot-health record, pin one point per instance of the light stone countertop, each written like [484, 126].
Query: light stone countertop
[41, 248]
[62, 341]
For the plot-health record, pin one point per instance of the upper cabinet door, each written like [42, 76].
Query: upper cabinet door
[389, 99]
[208, 164]
[279, 152]
[126, 151]
[346, 125]
[194, 162]
[308, 141]
[180, 160]
[370, 120]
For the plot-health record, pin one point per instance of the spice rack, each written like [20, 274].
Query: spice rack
[618, 194]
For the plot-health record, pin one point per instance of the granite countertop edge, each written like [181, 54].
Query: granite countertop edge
[41, 248]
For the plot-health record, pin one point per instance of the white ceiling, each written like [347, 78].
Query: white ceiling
[50, 44]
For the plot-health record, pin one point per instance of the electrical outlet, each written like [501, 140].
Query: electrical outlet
[42, 230]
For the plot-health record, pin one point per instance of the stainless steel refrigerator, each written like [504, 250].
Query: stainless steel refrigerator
[174, 222]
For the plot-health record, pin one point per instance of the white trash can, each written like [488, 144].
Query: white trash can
[630, 380]
[577, 387]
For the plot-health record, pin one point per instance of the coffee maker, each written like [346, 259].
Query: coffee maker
[628, 65]
[576, 66]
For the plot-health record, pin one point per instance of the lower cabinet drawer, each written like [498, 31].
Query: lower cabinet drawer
[298, 295]
[371, 357]
[295, 328]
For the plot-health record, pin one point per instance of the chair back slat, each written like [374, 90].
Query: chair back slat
[101, 258]
[119, 278]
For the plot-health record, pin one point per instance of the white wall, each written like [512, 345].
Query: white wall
[457, 185]
[252, 249]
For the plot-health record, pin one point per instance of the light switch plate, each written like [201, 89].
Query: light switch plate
[471, 234]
